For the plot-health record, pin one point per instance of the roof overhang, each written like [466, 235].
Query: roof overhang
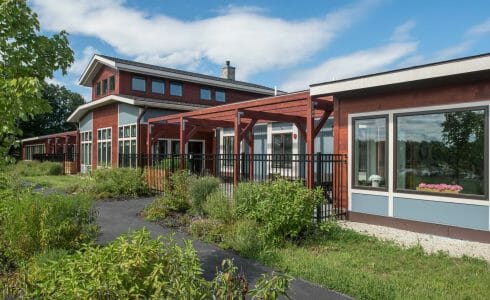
[82, 110]
[97, 62]
[50, 136]
[468, 67]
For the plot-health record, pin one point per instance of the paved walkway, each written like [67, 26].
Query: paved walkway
[119, 217]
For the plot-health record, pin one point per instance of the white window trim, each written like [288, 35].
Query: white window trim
[390, 193]
[104, 141]
[91, 149]
[293, 171]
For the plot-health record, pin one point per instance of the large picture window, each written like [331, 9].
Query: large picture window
[442, 152]
[127, 146]
[86, 155]
[282, 150]
[370, 149]
[104, 147]
[30, 150]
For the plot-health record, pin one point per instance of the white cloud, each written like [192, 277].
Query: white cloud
[354, 64]
[479, 29]
[81, 62]
[252, 41]
[53, 81]
[402, 32]
[453, 51]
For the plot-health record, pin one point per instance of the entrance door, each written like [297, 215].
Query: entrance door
[195, 151]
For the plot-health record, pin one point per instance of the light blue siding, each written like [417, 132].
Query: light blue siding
[128, 114]
[453, 214]
[370, 204]
[153, 113]
[86, 122]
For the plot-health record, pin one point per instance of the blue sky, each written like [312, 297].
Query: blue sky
[276, 43]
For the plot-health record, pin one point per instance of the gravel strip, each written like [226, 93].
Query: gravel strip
[430, 243]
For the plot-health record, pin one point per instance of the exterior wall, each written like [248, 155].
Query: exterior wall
[190, 91]
[441, 210]
[106, 116]
[105, 73]
[86, 124]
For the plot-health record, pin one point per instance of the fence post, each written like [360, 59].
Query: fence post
[319, 181]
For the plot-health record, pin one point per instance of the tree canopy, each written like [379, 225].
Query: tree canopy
[63, 102]
[27, 58]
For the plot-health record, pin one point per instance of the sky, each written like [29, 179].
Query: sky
[283, 44]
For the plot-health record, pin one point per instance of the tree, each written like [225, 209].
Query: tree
[63, 102]
[26, 59]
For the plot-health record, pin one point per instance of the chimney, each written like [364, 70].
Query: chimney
[227, 71]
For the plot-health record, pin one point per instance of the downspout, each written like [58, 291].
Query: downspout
[138, 133]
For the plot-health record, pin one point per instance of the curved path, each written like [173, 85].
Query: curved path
[118, 217]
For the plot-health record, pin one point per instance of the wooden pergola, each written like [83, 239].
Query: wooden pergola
[297, 108]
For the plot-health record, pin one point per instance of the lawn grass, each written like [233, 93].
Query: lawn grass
[364, 267]
[65, 183]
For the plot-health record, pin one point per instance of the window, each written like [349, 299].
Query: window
[104, 86]
[369, 152]
[220, 96]
[205, 93]
[282, 150]
[175, 89]
[228, 145]
[31, 150]
[104, 147]
[112, 83]
[158, 87]
[138, 84]
[127, 146]
[442, 152]
[86, 147]
[97, 89]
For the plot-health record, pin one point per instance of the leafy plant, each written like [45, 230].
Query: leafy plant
[243, 238]
[118, 182]
[36, 168]
[283, 209]
[219, 206]
[200, 189]
[229, 283]
[270, 287]
[208, 230]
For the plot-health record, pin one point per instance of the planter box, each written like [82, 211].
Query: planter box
[438, 191]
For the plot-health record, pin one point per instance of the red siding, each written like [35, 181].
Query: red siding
[105, 73]
[105, 117]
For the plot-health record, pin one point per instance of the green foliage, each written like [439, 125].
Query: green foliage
[36, 168]
[175, 200]
[243, 238]
[32, 223]
[62, 102]
[200, 189]
[173, 163]
[27, 58]
[208, 230]
[219, 206]
[229, 283]
[134, 266]
[270, 287]
[283, 209]
[117, 182]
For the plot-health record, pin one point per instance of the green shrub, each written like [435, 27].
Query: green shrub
[219, 206]
[283, 209]
[118, 182]
[134, 266]
[175, 200]
[200, 189]
[36, 168]
[208, 230]
[31, 223]
[243, 238]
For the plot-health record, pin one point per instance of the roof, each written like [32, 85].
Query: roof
[454, 67]
[54, 135]
[82, 110]
[132, 66]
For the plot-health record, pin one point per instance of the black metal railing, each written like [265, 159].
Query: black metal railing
[69, 160]
[329, 172]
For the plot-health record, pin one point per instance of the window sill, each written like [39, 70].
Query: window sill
[437, 196]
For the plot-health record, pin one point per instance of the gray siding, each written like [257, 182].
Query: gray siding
[370, 204]
[86, 122]
[153, 113]
[453, 214]
[128, 114]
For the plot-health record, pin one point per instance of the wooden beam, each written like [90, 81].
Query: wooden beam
[236, 149]
[182, 142]
[310, 144]
[301, 129]
[248, 128]
[323, 119]
[190, 133]
[270, 116]
[208, 123]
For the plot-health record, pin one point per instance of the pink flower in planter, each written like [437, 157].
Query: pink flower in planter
[441, 187]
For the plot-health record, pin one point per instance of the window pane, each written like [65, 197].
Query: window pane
[108, 134]
[102, 134]
[120, 132]
[133, 130]
[112, 83]
[126, 131]
[220, 96]
[97, 89]
[138, 84]
[228, 150]
[104, 86]
[369, 152]
[133, 147]
[121, 149]
[175, 89]
[109, 153]
[205, 94]
[157, 87]
[442, 152]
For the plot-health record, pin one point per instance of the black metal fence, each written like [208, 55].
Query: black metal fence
[329, 172]
[69, 160]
